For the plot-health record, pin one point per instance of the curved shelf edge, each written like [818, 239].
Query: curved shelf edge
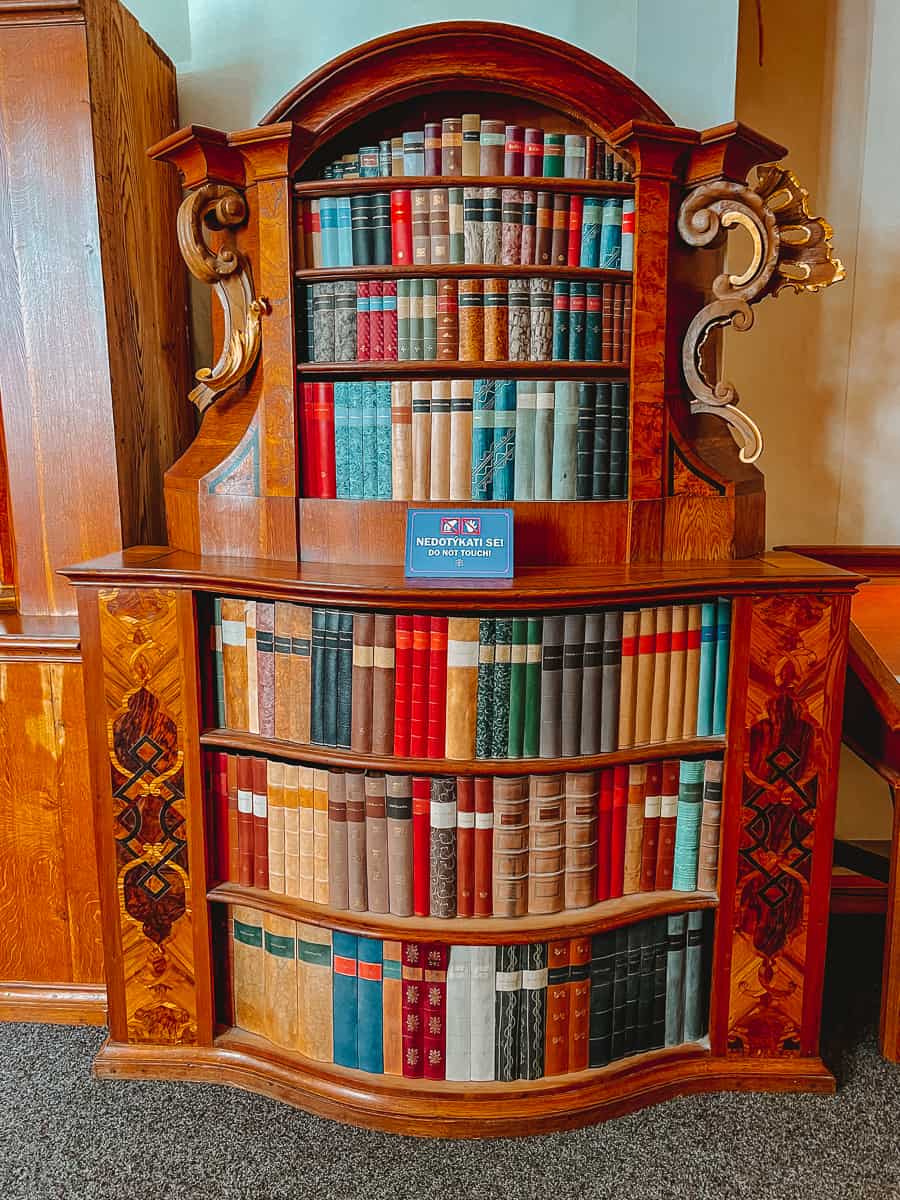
[530, 183]
[465, 931]
[464, 271]
[462, 1110]
[332, 756]
[464, 369]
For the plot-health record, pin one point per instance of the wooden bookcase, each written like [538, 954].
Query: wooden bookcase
[692, 527]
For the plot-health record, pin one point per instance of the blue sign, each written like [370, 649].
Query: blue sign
[458, 543]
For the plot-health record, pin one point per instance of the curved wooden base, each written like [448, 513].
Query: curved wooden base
[461, 1110]
[54, 1003]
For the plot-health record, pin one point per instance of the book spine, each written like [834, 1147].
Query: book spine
[572, 683]
[493, 142]
[314, 993]
[710, 826]
[694, 994]
[677, 656]
[482, 994]
[462, 686]
[668, 816]
[533, 155]
[561, 322]
[459, 983]
[541, 295]
[559, 241]
[265, 667]
[381, 228]
[529, 227]
[692, 671]
[470, 316]
[484, 841]
[403, 634]
[483, 405]
[496, 319]
[546, 843]
[508, 987]
[573, 241]
[344, 320]
[626, 258]
[551, 687]
[434, 1010]
[543, 237]
[447, 320]
[501, 685]
[473, 225]
[620, 995]
[320, 836]
[545, 403]
[577, 327]
[471, 144]
[565, 440]
[377, 881]
[414, 152]
[606, 329]
[392, 1008]
[461, 402]
[233, 860]
[421, 837]
[439, 453]
[401, 440]
[484, 713]
[383, 438]
[412, 979]
[376, 320]
[720, 688]
[687, 826]
[617, 831]
[437, 687]
[643, 698]
[401, 227]
[456, 204]
[369, 1014]
[421, 234]
[306, 832]
[593, 324]
[634, 828]
[510, 848]
[636, 957]
[344, 678]
[244, 777]
[218, 663]
[581, 798]
[601, 998]
[707, 674]
[439, 226]
[397, 156]
[650, 840]
[675, 954]
[432, 138]
[660, 693]
[234, 663]
[491, 227]
[338, 862]
[618, 440]
[442, 859]
[421, 439]
[514, 150]
[356, 841]
[260, 825]
[465, 846]
[579, 989]
[511, 226]
[451, 146]
[429, 319]
[362, 239]
[611, 234]
[533, 1011]
[382, 738]
[363, 663]
[611, 684]
[275, 805]
[659, 937]
[248, 971]
[518, 652]
[531, 736]
[504, 440]
[345, 998]
[291, 800]
[574, 151]
[526, 411]
[355, 418]
[554, 155]
[519, 340]
[398, 814]
[419, 695]
[605, 794]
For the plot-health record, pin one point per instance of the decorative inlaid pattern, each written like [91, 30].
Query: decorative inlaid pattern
[144, 708]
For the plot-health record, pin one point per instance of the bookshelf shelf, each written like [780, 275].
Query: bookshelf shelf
[460, 369]
[310, 188]
[462, 271]
[250, 743]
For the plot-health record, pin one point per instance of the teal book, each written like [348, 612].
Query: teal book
[526, 404]
[706, 691]
[565, 440]
[344, 232]
[618, 440]
[531, 733]
[344, 678]
[484, 714]
[518, 665]
[593, 323]
[329, 696]
[611, 235]
[355, 440]
[342, 440]
[328, 221]
[504, 443]
[694, 981]
[502, 669]
[317, 678]
[687, 825]
[545, 402]
[383, 439]
[591, 219]
[369, 1019]
[723, 644]
[577, 320]
[369, 452]
[219, 662]
[483, 401]
[416, 320]
[429, 319]
[403, 319]
[560, 321]
[584, 442]
[344, 998]
[602, 437]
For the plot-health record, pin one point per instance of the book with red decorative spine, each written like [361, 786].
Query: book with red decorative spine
[650, 835]
[231, 767]
[389, 319]
[668, 813]
[617, 831]
[576, 212]
[434, 1009]
[245, 820]
[556, 1040]
[403, 640]
[421, 838]
[533, 156]
[484, 842]
[376, 320]
[437, 687]
[323, 434]
[514, 150]
[465, 846]
[309, 468]
[579, 1003]
[260, 825]
[604, 834]
[433, 148]
[418, 707]
[411, 975]
[363, 332]
[401, 227]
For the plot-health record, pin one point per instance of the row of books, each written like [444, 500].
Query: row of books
[463, 687]
[433, 1011]
[470, 146]
[488, 225]
[468, 320]
[457, 846]
[465, 439]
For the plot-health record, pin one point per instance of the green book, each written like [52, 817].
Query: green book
[355, 418]
[565, 440]
[330, 678]
[416, 320]
[518, 657]
[218, 662]
[577, 320]
[317, 678]
[344, 677]
[593, 322]
[403, 319]
[545, 402]
[383, 439]
[531, 739]
[723, 642]
[687, 825]
[504, 443]
[602, 427]
[429, 319]
[342, 440]
[554, 154]
[502, 670]
[694, 982]
[484, 397]
[584, 442]
[706, 691]
[618, 440]
[561, 321]
[484, 714]
[369, 450]
[526, 403]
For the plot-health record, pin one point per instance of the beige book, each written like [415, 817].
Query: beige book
[320, 835]
[283, 704]
[692, 671]
[306, 804]
[401, 440]
[421, 439]
[314, 1013]
[677, 663]
[252, 675]
[634, 827]
[275, 804]
[662, 652]
[628, 677]
[280, 945]
[248, 971]
[291, 796]
[462, 686]
[461, 392]
[643, 692]
[301, 650]
[440, 439]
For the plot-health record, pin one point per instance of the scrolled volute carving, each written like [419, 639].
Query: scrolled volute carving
[789, 248]
[217, 207]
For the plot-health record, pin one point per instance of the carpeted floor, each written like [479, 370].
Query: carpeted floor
[64, 1135]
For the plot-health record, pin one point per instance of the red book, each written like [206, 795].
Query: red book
[465, 846]
[559, 988]
[437, 687]
[308, 446]
[514, 150]
[418, 708]
[363, 334]
[376, 320]
[534, 152]
[617, 838]
[650, 838]
[389, 318]
[604, 833]
[323, 434]
[402, 682]
[260, 825]
[484, 847]
[245, 820]
[401, 227]
[668, 812]
[434, 1009]
[232, 784]
[421, 831]
[411, 975]
[219, 780]
[576, 212]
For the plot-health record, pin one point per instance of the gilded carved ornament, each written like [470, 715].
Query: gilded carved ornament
[789, 249]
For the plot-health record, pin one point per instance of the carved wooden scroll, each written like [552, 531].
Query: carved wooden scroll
[790, 248]
[219, 207]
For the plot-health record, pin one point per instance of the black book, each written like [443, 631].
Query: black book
[317, 680]
[381, 228]
[618, 441]
[620, 980]
[602, 431]
[602, 953]
[361, 230]
[344, 677]
[584, 446]
[633, 985]
[645, 990]
[533, 1011]
[508, 988]
[660, 955]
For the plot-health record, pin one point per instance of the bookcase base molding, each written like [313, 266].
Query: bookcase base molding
[463, 1110]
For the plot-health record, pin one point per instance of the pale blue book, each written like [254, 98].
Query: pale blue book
[369, 450]
[383, 438]
[355, 441]
[706, 690]
[626, 261]
[565, 439]
[526, 404]
[591, 219]
[545, 403]
[504, 440]
[611, 234]
[687, 825]
[723, 645]
[328, 220]
[342, 439]
[344, 232]
[483, 400]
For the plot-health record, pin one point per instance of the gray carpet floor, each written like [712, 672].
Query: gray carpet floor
[63, 1134]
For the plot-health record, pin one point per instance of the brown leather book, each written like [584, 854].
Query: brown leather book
[471, 326]
[283, 706]
[291, 795]
[677, 663]
[462, 686]
[447, 320]
[662, 650]
[493, 146]
[650, 833]
[244, 769]
[376, 844]
[579, 1002]
[338, 870]
[383, 685]
[691, 671]
[439, 225]
[543, 240]
[628, 677]
[634, 827]
[275, 807]
[451, 147]
[484, 837]
[606, 312]
[265, 666]
[401, 440]
[626, 324]
[556, 1041]
[643, 693]
[421, 240]
[356, 841]
[392, 1007]
[280, 959]
[668, 813]
[496, 320]
[581, 838]
[248, 970]
[559, 244]
[710, 826]
[320, 838]
[471, 144]
[398, 809]
[361, 712]
[546, 843]
[306, 822]
[299, 691]
[510, 849]
[234, 663]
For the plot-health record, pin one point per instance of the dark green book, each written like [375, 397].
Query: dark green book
[560, 320]
[416, 320]
[361, 230]
[577, 320]
[694, 978]
[533, 1011]
[619, 994]
[317, 678]
[551, 687]
[403, 295]
[508, 988]
[381, 228]
[660, 955]
[516, 733]
[584, 441]
[531, 744]
[218, 663]
[602, 958]
[633, 985]
[645, 988]
[502, 667]
[344, 677]
[677, 941]
[484, 717]
[593, 323]
[429, 319]
[618, 441]
[330, 678]
[554, 154]
[602, 434]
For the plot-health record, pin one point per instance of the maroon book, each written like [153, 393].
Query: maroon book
[411, 973]
[434, 1009]
[514, 151]
[245, 820]
[376, 320]
[433, 146]
[363, 334]
[604, 832]
[484, 847]
[389, 319]
[576, 212]
[534, 152]
[617, 831]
